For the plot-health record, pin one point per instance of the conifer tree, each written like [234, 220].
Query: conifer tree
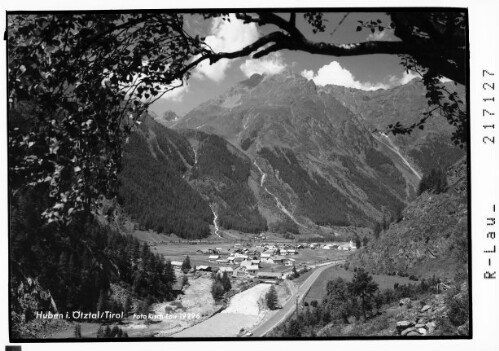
[77, 331]
[226, 282]
[363, 286]
[186, 264]
[271, 298]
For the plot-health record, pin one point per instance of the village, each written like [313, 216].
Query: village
[267, 262]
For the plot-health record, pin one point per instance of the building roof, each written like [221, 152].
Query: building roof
[269, 274]
[213, 257]
[176, 263]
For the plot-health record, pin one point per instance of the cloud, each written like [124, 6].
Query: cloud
[225, 36]
[385, 35]
[407, 77]
[270, 64]
[334, 74]
[308, 73]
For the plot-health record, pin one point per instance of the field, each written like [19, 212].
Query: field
[318, 289]
[178, 251]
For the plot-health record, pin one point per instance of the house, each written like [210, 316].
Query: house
[245, 263]
[252, 269]
[292, 252]
[177, 265]
[269, 275]
[288, 263]
[265, 255]
[256, 262]
[327, 247]
[348, 247]
[268, 260]
[240, 255]
[238, 272]
[283, 252]
[222, 261]
[231, 259]
[278, 259]
[213, 257]
[352, 245]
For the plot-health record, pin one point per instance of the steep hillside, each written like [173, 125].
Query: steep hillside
[221, 173]
[182, 183]
[426, 149]
[153, 190]
[302, 138]
[431, 238]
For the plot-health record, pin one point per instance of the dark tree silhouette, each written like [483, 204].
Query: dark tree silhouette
[186, 264]
[271, 298]
[363, 286]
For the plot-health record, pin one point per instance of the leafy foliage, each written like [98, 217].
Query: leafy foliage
[440, 100]
[89, 79]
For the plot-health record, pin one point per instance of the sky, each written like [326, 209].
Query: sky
[367, 72]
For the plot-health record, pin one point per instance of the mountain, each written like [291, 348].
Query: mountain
[316, 155]
[181, 183]
[167, 118]
[153, 191]
[431, 238]
[429, 148]
[279, 153]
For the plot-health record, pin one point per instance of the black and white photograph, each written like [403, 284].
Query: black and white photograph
[241, 173]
